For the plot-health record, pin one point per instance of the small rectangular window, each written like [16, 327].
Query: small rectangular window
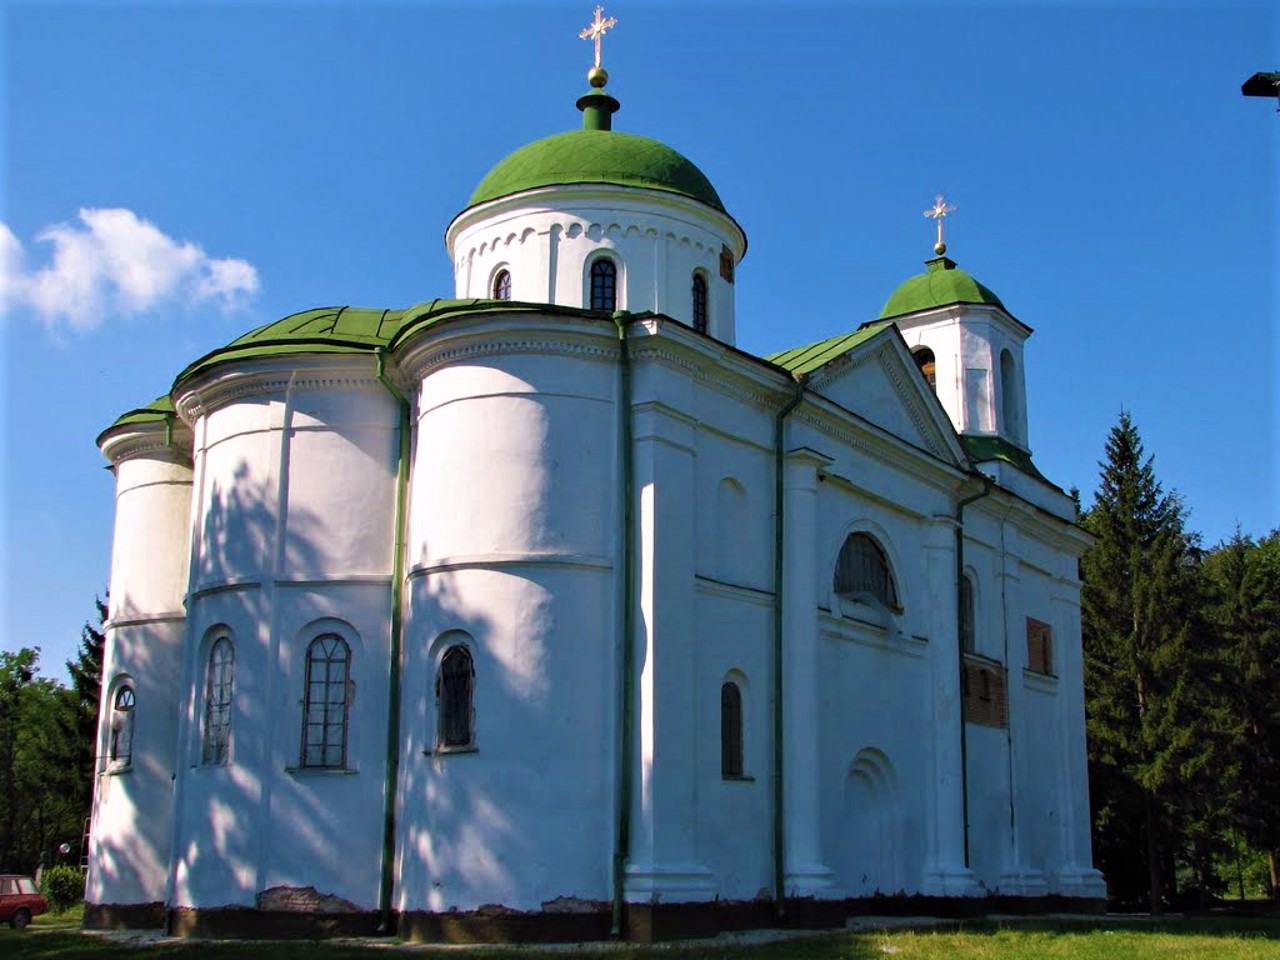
[984, 699]
[1039, 646]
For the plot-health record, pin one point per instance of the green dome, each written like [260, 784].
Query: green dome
[940, 285]
[597, 156]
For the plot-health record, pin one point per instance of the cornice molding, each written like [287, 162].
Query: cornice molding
[151, 441]
[228, 383]
[423, 354]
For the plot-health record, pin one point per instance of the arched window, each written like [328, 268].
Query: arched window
[502, 285]
[862, 572]
[928, 367]
[455, 687]
[120, 745]
[604, 285]
[1009, 396]
[699, 303]
[966, 614]
[730, 730]
[326, 700]
[217, 702]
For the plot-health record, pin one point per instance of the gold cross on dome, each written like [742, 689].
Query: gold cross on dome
[596, 29]
[936, 213]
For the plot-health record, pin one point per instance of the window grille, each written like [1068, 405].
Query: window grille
[217, 702]
[455, 687]
[502, 285]
[120, 748]
[862, 570]
[730, 730]
[699, 303]
[326, 701]
[604, 285]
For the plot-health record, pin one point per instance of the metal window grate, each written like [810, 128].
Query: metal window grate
[863, 569]
[326, 697]
[604, 285]
[454, 696]
[502, 285]
[120, 749]
[730, 730]
[217, 702]
[699, 303]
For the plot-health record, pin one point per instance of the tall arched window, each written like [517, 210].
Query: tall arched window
[927, 365]
[604, 285]
[862, 572]
[455, 689]
[326, 700]
[730, 730]
[1009, 397]
[502, 285]
[217, 702]
[120, 744]
[967, 640]
[699, 302]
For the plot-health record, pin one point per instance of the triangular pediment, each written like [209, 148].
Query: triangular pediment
[873, 376]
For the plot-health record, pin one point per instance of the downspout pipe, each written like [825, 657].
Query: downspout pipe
[387, 880]
[779, 502]
[964, 733]
[626, 621]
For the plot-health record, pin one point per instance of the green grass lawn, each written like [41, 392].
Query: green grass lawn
[56, 938]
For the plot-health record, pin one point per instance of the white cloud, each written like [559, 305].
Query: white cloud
[113, 263]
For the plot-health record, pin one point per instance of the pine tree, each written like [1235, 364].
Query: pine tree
[1244, 580]
[86, 682]
[1138, 627]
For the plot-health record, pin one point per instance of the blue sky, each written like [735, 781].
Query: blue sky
[246, 161]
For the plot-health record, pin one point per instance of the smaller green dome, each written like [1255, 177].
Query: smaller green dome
[942, 284]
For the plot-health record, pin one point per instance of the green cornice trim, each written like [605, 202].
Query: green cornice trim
[984, 448]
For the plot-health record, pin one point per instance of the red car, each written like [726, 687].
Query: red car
[20, 900]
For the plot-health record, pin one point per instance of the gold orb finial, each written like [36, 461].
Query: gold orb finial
[939, 248]
[597, 77]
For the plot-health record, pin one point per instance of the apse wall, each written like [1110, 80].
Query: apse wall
[295, 505]
[511, 560]
[141, 669]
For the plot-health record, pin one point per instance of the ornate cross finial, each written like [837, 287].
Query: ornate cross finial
[596, 29]
[936, 213]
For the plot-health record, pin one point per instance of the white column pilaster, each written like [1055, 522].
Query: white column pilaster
[946, 874]
[806, 873]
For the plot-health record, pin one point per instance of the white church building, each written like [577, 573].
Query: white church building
[546, 612]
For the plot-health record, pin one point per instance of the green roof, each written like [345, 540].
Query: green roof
[159, 410]
[597, 156]
[982, 448]
[327, 330]
[942, 284]
[806, 359]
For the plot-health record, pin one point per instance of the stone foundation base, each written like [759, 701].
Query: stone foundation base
[643, 922]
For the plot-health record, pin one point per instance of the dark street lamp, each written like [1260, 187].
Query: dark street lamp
[1262, 85]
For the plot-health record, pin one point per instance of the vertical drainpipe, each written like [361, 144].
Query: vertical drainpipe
[387, 880]
[964, 734]
[626, 620]
[779, 838]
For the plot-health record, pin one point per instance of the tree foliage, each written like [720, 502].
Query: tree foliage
[1180, 688]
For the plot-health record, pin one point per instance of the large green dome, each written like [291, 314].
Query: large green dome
[597, 156]
[942, 284]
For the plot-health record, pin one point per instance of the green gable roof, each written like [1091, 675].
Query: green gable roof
[597, 156]
[942, 284]
[806, 359]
